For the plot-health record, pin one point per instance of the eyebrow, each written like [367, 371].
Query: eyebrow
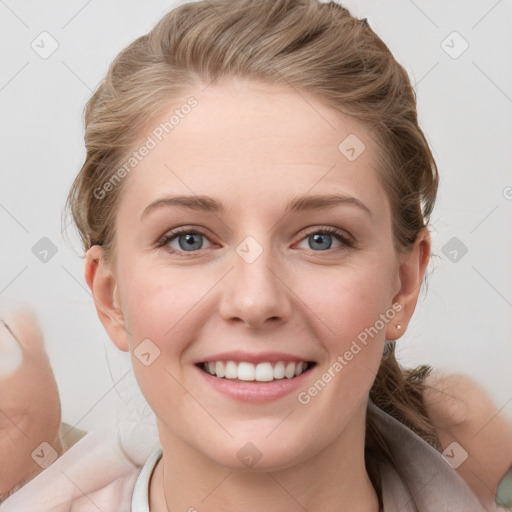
[301, 203]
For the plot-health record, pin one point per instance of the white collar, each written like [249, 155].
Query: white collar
[140, 497]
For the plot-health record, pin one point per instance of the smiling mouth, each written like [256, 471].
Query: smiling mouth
[261, 372]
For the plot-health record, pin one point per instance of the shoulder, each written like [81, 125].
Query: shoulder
[468, 421]
[446, 397]
[458, 402]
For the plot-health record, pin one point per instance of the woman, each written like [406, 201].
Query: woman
[254, 207]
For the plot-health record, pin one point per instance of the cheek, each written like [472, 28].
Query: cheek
[351, 310]
[348, 303]
[157, 305]
[155, 301]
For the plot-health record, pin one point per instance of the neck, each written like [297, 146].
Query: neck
[334, 480]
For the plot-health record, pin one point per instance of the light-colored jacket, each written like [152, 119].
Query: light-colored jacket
[96, 474]
[431, 484]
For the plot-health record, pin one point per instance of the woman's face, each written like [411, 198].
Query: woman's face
[253, 277]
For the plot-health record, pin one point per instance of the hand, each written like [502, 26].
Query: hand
[30, 411]
[462, 412]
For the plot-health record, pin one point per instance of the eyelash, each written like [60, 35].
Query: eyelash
[347, 242]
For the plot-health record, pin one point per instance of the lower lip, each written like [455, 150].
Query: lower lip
[255, 391]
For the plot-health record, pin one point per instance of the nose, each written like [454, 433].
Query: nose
[255, 292]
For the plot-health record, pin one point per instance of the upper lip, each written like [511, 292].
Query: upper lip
[263, 357]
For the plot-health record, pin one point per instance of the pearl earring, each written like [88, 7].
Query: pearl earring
[398, 326]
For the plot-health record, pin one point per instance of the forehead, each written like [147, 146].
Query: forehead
[252, 144]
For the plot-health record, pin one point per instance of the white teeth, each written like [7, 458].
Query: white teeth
[262, 372]
[289, 371]
[231, 370]
[300, 368]
[279, 370]
[220, 369]
[246, 371]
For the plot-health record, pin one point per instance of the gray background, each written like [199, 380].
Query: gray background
[463, 321]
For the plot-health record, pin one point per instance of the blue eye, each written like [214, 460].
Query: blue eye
[188, 241]
[321, 239]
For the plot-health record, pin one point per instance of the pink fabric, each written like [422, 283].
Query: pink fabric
[93, 475]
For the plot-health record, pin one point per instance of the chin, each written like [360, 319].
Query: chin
[258, 453]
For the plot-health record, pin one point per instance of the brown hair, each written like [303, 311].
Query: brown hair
[320, 49]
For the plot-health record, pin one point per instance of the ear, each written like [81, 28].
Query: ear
[412, 268]
[103, 286]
